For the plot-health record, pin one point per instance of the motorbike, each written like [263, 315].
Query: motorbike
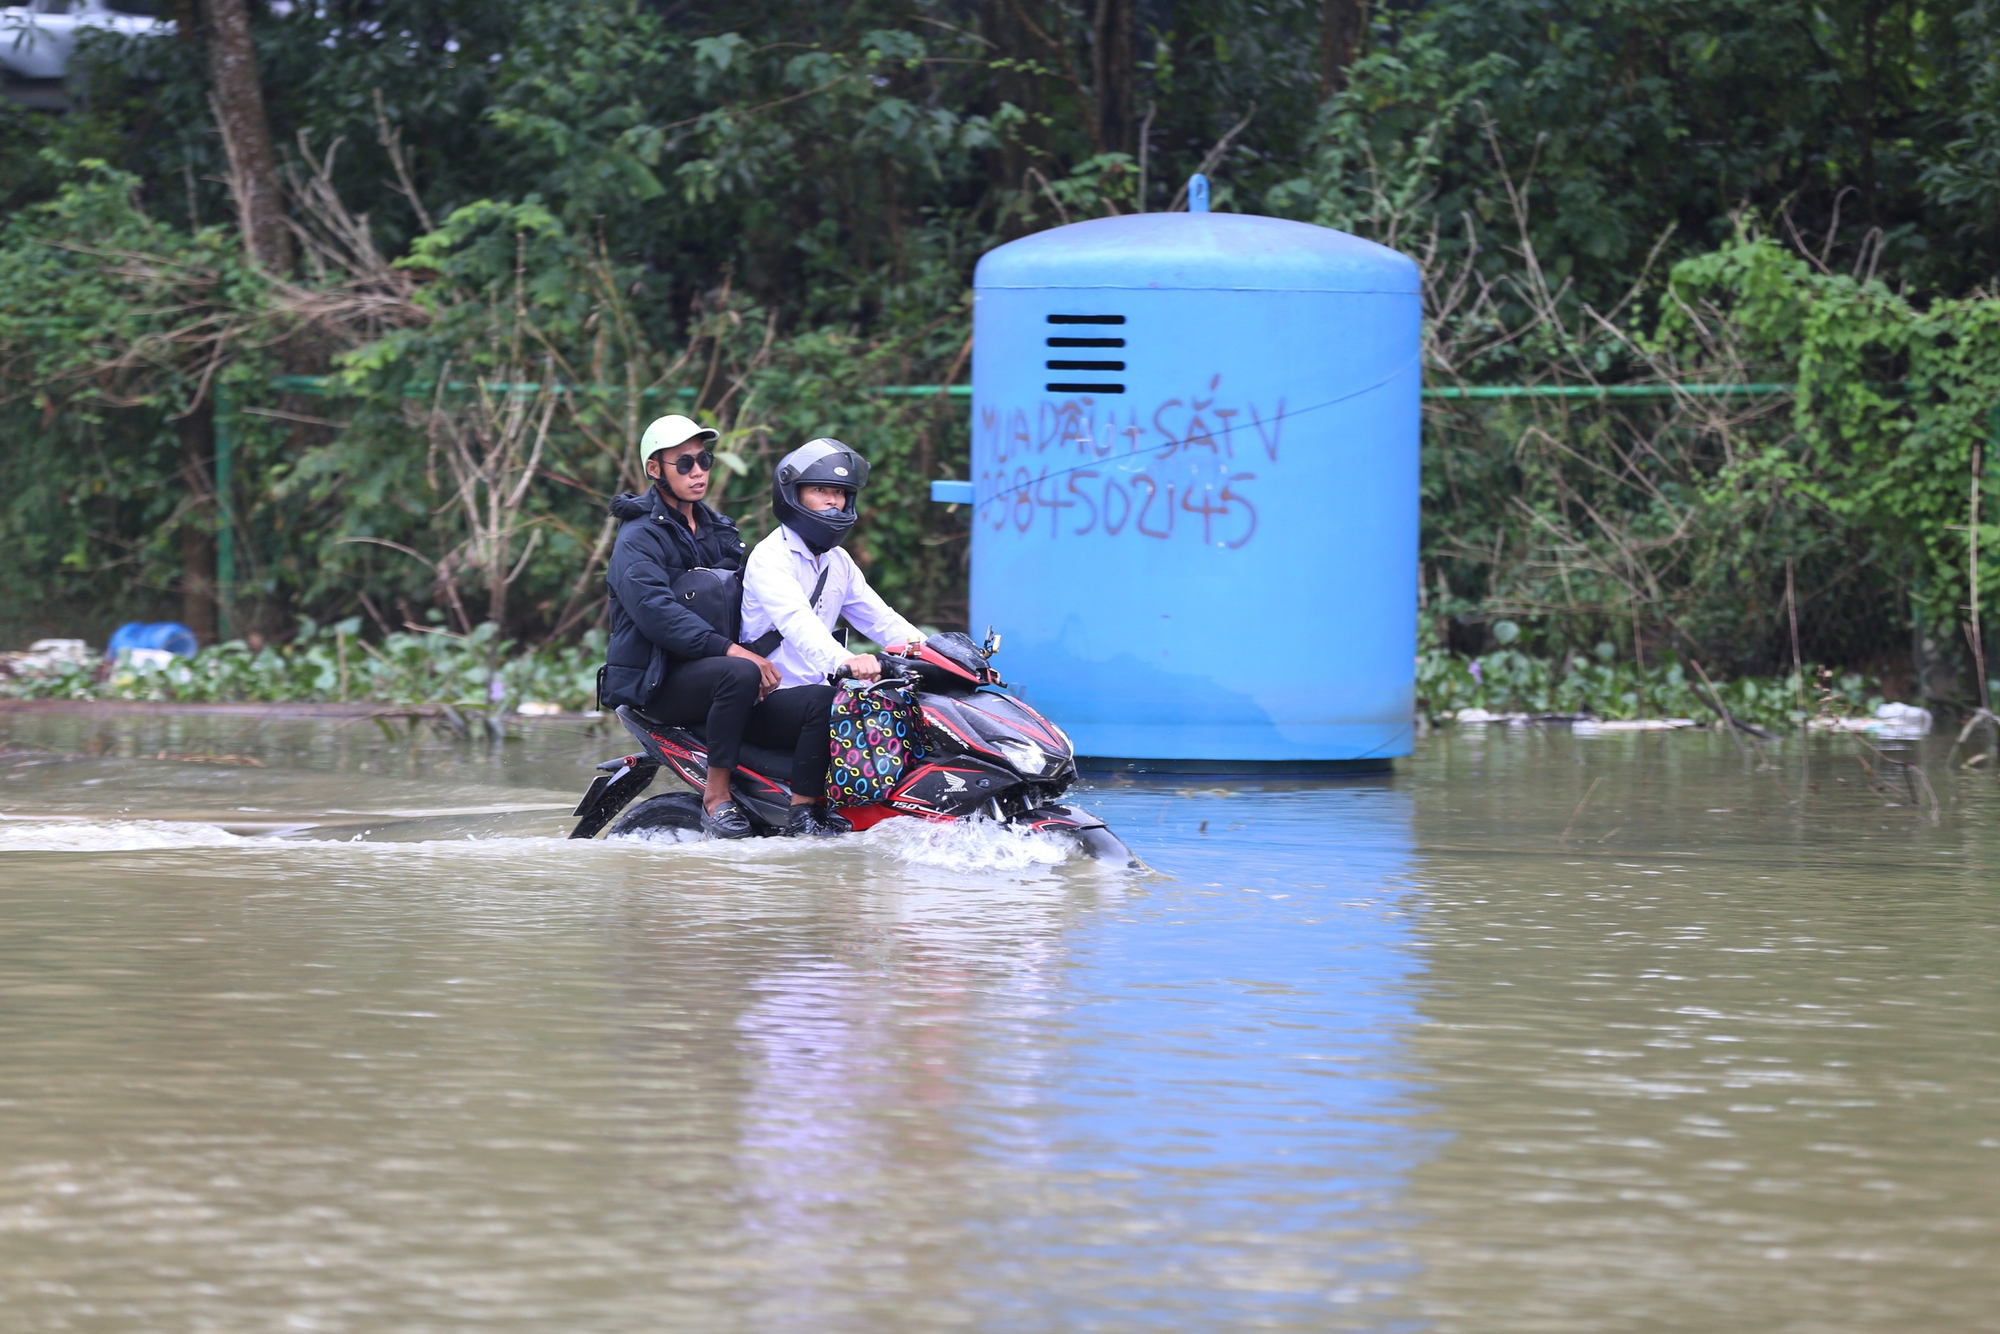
[987, 756]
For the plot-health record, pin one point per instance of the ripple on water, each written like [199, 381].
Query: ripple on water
[112, 836]
[1539, 1036]
[972, 845]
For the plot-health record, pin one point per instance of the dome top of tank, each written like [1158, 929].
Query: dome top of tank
[1198, 251]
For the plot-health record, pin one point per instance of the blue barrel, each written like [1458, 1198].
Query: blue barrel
[1194, 457]
[170, 636]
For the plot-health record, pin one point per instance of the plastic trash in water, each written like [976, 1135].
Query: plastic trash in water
[1600, 726]
[1894, 722]
[170, 637]
[48, 657]
[1903, 721]
[1476, 715]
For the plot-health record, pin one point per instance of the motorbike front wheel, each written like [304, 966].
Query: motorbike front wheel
[1100, 843]
[669, 810]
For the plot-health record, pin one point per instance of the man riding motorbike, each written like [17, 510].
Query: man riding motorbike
[669, 663]
[799, 583]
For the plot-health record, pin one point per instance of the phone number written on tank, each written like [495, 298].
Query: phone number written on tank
[1191, 479]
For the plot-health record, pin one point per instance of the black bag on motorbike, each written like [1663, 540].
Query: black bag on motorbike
[714, 595]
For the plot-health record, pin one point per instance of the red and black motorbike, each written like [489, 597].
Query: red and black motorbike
[989, 756]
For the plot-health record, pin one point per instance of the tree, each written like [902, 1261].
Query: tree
[784, 202]
[1343, 30]
[1111, 72]
[246, 134]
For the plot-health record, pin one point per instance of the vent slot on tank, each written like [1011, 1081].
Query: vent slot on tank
[1071, 364]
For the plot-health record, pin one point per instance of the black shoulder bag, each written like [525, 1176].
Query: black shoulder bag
[714, 595]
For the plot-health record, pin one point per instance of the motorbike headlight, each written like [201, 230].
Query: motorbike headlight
[1025, 756]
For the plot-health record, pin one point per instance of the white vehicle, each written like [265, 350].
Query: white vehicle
[38, 38]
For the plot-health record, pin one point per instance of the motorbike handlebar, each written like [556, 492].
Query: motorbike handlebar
[893, 671]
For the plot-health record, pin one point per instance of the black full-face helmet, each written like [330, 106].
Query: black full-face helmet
[822, 462]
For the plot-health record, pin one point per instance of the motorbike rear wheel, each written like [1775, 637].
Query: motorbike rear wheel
[669, 810]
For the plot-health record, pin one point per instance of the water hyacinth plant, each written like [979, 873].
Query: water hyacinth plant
[1594, 685]
[481, 671]
[333, 663]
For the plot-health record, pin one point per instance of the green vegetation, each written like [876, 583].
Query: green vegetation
[336, 663]
[484, 674]
[1596, 685]
[765, 214]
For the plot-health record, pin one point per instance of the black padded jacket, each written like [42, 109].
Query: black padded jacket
[650, 630]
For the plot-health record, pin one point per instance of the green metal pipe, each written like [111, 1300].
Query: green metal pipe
[225, 523]
[1601, 391]
[324, 384]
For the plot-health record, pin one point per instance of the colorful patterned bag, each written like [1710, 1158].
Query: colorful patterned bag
[875, 735]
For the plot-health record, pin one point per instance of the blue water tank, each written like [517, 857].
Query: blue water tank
[1194, 465]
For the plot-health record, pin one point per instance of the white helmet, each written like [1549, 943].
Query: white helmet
[668, 432]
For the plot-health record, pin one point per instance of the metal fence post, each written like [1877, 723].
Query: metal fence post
[225, 515]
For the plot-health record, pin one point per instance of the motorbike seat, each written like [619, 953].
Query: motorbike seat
[773, 764]
[648, 719]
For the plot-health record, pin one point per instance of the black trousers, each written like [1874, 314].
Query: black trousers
[720, 694]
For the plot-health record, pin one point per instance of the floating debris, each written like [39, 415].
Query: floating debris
[1481, 716]
[48, 657]
[1897, 722]
[1593, 726]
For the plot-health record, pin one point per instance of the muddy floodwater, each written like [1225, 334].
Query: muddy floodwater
[305, 1026]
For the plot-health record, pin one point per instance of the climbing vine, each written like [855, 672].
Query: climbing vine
[1894, 402]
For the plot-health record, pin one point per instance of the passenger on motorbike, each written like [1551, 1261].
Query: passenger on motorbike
[799, 583]
[669, 663]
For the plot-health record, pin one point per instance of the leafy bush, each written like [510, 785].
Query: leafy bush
[766, 215]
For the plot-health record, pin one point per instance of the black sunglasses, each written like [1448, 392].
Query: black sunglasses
[687, 463]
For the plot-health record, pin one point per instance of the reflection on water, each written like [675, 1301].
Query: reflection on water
[1725, 1057]
[346, 1040]
[307, 1027]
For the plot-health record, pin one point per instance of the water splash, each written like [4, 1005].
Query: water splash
[974, 846]
[967, 845]
[659, 836]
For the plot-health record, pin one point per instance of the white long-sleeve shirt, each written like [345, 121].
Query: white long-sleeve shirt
[777, 591]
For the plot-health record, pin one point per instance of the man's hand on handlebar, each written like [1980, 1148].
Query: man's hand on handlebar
[768, 678]
[863, 667]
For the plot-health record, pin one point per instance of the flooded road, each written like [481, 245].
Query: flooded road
[304, 1026]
